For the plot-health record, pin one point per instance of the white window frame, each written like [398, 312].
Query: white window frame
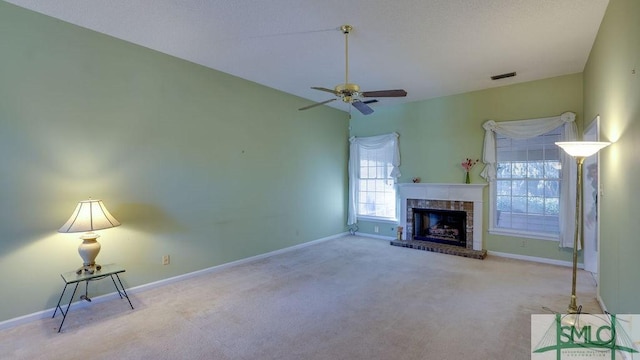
[523, 129]
[387, 172]
[496, 229]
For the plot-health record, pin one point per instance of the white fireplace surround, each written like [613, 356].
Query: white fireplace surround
[448, 192]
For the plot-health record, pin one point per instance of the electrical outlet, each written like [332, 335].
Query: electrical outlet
[165, 260]
[524, 243]
[376, 229]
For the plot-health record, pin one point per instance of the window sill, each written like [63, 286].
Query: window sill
[525, 234]
[377, 219]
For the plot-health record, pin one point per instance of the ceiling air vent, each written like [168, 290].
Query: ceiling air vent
[502, 76]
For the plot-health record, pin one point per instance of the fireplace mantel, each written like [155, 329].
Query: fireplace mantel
[451, 192]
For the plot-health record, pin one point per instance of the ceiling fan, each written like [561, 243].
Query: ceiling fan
[350, 93]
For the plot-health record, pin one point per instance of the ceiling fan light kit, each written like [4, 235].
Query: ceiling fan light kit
[349, 92]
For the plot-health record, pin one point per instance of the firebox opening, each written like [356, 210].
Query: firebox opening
[442, 226]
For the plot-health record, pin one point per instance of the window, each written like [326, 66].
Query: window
[373, 169]
[527, 185]
[531, 196]
[376, 186]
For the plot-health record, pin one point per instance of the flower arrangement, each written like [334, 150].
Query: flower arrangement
[467, 165]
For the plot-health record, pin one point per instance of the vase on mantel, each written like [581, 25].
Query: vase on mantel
[467, 179]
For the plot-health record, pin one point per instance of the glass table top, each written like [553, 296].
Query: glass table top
[106, 270]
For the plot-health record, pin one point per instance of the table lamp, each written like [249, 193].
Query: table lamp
[88, 216]
[579, 150]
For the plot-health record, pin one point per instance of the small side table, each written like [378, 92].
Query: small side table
[72, 277]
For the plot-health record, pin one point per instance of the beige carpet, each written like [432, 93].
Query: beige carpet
[349, 298]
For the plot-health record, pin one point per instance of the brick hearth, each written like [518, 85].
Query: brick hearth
[441, 248]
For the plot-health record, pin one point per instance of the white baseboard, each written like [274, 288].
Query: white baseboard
[534, 259]
[494, 253]
[603, 307]
[174, 279]
[141, 288]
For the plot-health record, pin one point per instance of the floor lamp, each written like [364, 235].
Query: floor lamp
[579, 150]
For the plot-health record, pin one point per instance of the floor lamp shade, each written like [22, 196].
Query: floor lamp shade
[88, 216]
[582, 148]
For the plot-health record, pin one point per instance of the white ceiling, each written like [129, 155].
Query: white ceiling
[430, 48]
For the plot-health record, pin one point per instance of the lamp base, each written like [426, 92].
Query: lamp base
[89, 268]
[88, 250]
[573, 308]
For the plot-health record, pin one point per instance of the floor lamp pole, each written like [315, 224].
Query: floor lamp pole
[579, 150]
[573, 307]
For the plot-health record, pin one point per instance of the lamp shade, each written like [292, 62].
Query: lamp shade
[582, 148]
[89, 215]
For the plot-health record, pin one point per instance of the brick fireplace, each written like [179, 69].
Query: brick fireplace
[442, 198]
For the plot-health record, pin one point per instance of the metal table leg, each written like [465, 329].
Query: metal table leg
[62, 311]
[59, 300]
[123, 292]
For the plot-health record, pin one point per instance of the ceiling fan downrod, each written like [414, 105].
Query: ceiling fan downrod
[346, 29]
[348, 91]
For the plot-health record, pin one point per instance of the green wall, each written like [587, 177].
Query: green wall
[183, 155]
[437, 135]
[612, 90]
[195, 163]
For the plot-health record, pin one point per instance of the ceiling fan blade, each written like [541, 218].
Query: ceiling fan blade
[384, 93]
[316, 104]
[362, 107]
[325, 90]
[370, 101]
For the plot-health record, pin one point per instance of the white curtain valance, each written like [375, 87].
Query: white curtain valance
[369, 143]
[524, 129]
